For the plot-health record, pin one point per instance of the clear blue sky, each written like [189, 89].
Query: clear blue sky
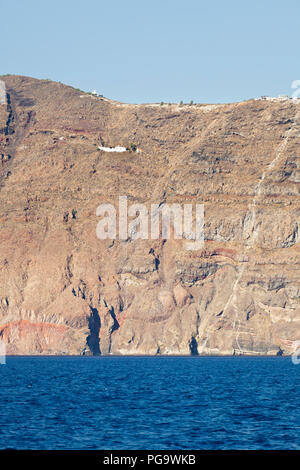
[156, 50]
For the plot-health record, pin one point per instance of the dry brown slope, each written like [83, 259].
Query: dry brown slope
[63, 291]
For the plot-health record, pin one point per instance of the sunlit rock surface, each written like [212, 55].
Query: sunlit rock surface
[64, 291]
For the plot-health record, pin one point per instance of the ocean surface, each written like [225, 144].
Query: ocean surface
[149, 403]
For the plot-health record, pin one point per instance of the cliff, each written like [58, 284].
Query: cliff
[64, 291]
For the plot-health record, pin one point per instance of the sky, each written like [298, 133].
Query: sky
[140, 51]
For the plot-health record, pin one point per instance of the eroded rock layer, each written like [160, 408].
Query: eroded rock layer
[64, 291]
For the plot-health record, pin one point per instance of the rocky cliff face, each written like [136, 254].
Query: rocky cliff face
[64, 291]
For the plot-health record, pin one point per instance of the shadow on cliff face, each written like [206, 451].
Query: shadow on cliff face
[115, 326]
[22, 100]
[9, 128]
[94, 327]
[193, 345]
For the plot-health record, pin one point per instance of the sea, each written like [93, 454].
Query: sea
[149, 403]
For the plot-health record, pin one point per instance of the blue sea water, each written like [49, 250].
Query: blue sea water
[149, 403]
